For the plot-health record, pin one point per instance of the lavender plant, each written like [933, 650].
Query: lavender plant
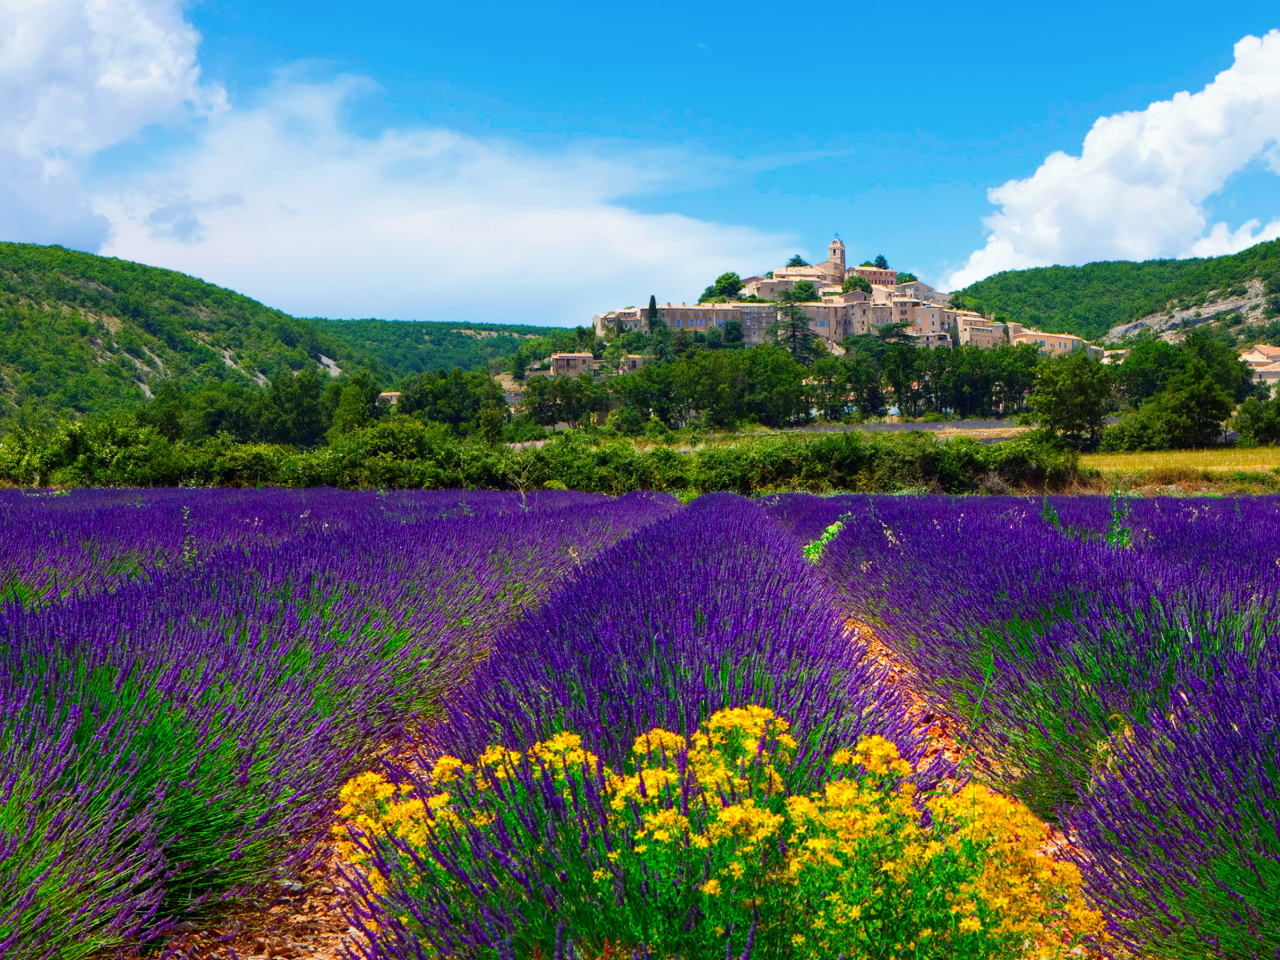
[713, 608]
[1182, 820]
[1038, 634]
[178, 733]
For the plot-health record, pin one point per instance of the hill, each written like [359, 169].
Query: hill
[84, 333]
[1091, 300]
[403, 347]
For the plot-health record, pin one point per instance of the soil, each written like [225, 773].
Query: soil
[306, 920]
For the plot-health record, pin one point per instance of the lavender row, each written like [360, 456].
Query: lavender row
[711, 609]
[55, 544]
[1080, 638]
[176, 736]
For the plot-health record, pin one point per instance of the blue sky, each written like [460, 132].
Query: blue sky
[504, 161]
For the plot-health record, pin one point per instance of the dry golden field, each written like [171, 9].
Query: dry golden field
[1257, 460]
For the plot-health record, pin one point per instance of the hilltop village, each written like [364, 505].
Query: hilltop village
[846, 301]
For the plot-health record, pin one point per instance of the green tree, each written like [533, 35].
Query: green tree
[903, 366]
[491, 422]
[661, 345]
[1070, 398]
[351, 413]
[519, 363]
[855, 282]
[1258, 421]
[797, 261]
[298, 410]
[881, 263]
[907, 278]
[894, 333]
[803, 292]
[614, 355]
[791, 331]
[164, 411]
[831, 386]
[653, 316]
[1223, 363]
[1147, 370]
[451, 397]
[727, 286]
[733, 332]
[1189, 413]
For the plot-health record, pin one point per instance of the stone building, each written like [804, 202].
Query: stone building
[837, 315]
[571, 364]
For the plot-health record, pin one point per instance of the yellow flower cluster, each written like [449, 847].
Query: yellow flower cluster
[1017, 885]
[856, 856]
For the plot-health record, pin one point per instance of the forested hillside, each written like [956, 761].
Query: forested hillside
[82, 333]
[1090, 300]
[405, 347]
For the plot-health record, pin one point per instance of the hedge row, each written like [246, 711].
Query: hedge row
[405, 454]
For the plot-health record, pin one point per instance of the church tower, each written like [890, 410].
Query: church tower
[835, 252]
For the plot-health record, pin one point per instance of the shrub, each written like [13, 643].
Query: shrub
[697, 848]
[1259, 421]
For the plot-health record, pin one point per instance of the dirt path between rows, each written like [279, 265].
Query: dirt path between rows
[944, 736]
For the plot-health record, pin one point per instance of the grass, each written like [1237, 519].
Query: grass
[1252, 460]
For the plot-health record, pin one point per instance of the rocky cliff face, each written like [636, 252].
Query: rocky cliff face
[1253, 307]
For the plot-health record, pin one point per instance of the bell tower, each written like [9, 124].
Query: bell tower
[835, 252]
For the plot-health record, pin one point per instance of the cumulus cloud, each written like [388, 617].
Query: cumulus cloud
[281, 201]
[77, 76]
[1139, 186]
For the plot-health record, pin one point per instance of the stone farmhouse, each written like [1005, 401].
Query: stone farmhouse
[837, 315]
[1265, 361]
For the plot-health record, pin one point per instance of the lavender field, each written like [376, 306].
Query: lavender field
[573, 725]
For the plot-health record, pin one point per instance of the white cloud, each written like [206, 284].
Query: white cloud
[77, 76]
[1139, 186]
[282, 202]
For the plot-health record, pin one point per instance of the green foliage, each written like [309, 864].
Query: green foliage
[880, 262]
[1188, 413]
[813, 550]
[564, 399]
[1070, 398]
[396, 349]
[452, 397]
[855, 282]
[403, 453]
[1090, 300]
[1148, 368]
[907, 278]
[803, 292]
[726, 287]
[1258, 421]
[86, 334]
[792, 332]
[797, 261]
